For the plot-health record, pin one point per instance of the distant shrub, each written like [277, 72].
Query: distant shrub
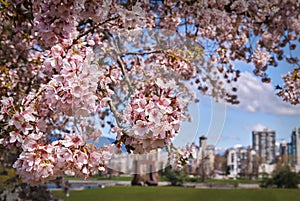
[192, 179]
[285, 178]
[176, 177]
[282, 178]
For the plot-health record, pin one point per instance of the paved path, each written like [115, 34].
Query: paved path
[109, 182]
[83, 184]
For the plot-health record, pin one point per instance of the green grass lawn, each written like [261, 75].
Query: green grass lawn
[120, 193]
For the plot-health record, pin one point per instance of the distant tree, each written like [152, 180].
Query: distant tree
[202, 170]
[283, 177]
[254, 170]
[220, 163]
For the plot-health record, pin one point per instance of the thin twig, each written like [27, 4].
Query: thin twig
[35, 97]
[93, 28]
[143, 53]
[120, 61]
[117, 115]
[113, 109]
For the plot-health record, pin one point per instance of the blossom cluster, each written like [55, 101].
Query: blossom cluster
[180, 66]
[179, 158]
[110, 75]
[260, 57]
[40, 163]
[155, 114]
[49, 27]
[291, 90]
[74, 86]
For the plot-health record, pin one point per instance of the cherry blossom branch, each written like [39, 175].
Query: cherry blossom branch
[93, 28]
[117, 115]
[35, 97]
[121, 63]
[114, 110]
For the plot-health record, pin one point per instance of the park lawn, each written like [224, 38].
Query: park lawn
[126, 193]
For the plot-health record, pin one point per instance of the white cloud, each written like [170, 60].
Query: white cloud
[259, 127]
[256, 127]
[255, 96]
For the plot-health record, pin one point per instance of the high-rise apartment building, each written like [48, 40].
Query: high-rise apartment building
[263, 142]
[294, 149]
[237, 161]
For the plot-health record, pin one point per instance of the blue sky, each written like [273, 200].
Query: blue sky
[226, 125]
